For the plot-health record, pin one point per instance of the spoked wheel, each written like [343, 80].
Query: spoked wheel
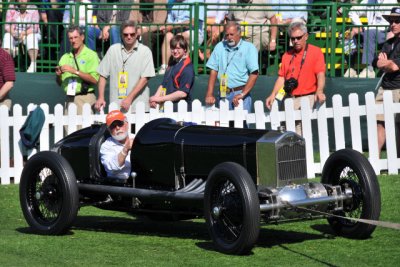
[48, 193]
[231, 209]
[352, 171]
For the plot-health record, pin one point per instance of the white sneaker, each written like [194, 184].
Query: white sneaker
[350, 73]
[162, 69]
[367, 73]
[32, 68]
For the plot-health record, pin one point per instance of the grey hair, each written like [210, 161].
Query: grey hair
[230, 24]
[77, 28]
[128, 23]
[297, 25]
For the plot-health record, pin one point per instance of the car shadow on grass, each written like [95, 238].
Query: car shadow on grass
[269, 238]
[141, 225]
[189, 229]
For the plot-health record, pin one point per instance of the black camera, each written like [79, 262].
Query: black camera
[84, 88]
[290, 85]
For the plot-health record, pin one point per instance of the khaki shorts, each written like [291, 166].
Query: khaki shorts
[7, 102]
[79, 101]
[379, 100]
[297, 101]
[297, 106]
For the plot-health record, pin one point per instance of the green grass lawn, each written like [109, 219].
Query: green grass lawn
[102, 238]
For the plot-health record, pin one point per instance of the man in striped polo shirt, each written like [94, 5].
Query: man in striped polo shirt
[7, 77]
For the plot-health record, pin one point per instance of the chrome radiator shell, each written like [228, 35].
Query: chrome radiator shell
[281, 159]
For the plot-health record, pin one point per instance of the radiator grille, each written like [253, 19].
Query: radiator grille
[291, 159]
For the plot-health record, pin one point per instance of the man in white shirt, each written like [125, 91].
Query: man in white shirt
[116, 150]
[128, 67]
[376, 31]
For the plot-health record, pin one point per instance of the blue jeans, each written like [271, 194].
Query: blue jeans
[115, 35]
[371, 37]
[92, 34]
[247, 103]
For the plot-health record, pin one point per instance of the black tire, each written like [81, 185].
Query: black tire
[351, 169]
[48, 193]
[232, 209]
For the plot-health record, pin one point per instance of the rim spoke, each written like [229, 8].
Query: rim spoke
[229, 223]
[233, 229]
[349, 178]
[43, 198]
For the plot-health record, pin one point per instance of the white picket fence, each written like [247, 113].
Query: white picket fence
[261, 119]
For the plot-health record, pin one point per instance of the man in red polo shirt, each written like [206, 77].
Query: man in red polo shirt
[7, 77]
[302, 72]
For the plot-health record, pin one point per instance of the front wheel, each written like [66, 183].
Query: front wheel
[48, 193]
[350, 169]
[232, 209]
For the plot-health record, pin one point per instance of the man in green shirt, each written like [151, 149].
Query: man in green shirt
[77, 71]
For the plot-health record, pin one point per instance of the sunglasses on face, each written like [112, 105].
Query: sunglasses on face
[117, 123]
[298, 38]
[129, 34]
[397, 21]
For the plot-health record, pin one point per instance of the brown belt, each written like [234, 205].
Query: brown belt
[85, 93]
[234, 89]
[294, 96]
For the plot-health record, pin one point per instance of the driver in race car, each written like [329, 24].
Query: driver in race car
[115, 151]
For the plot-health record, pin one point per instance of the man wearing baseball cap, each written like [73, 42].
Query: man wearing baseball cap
[115, 151]
[388, 61]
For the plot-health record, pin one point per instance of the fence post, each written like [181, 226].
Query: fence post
[355, 122]
[372, 131]
[290, 115]
[259, 114]
[306, 114]
[59, 122]
[391, 149]
[5, 145]
[323, 134]
[338, 115]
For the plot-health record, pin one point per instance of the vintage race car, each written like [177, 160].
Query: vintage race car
[234, 178]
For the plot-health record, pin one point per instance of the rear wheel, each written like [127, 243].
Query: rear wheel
[351, 170]
[231, 209]
[48, 193]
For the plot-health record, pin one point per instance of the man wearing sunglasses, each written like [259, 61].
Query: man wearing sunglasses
[302, 72]
[128, 66]
[115, 151]
[388, 61]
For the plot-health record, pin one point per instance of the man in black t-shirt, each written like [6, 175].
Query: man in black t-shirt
[388, 61]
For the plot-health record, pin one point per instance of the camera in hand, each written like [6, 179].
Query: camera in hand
[289, 85]
[84, 88]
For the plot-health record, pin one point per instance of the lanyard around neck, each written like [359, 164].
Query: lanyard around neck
[122, 57]
[229, 60]
[302, 61]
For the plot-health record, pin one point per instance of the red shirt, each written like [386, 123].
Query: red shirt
[314, 63]
[7, 72]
